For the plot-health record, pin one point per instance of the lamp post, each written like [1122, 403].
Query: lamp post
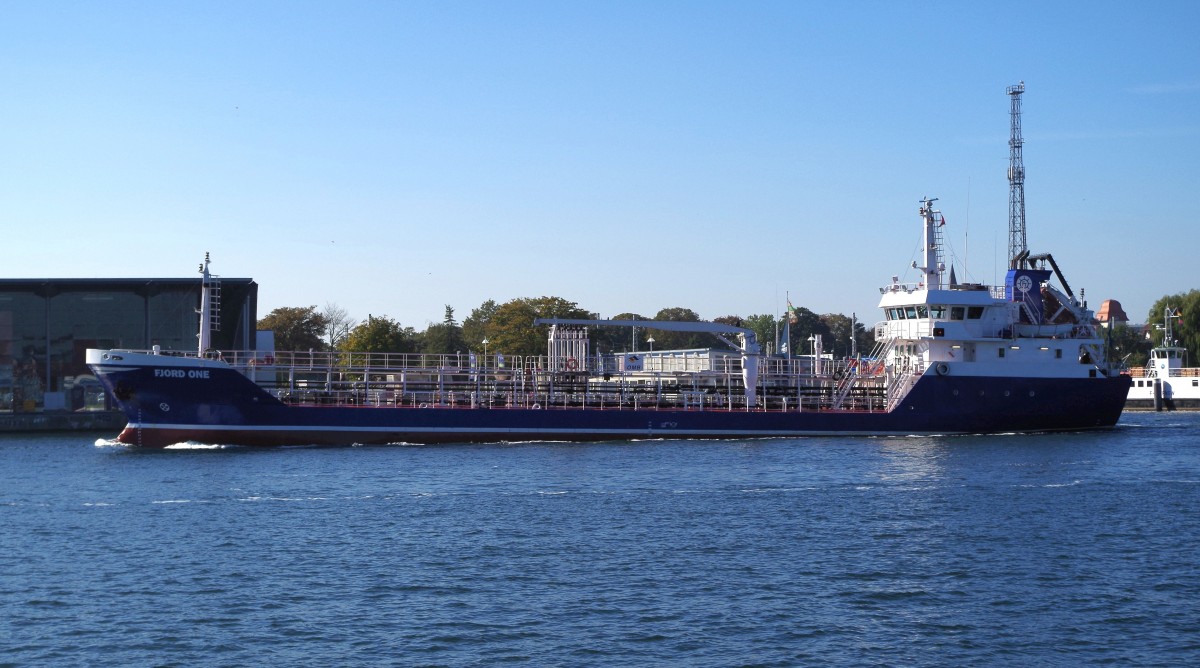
[485, 342]
[650, 340]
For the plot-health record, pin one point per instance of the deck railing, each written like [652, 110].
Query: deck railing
[510, 381]
[502, 381]
[1143, 372]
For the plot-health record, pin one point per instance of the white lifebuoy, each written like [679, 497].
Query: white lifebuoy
[572, 364]
[424, 405]
[942, 368]
[536, 407]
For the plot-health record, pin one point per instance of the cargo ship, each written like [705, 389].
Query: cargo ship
[948, 358]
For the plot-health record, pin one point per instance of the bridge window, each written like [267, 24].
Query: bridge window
[922, 311]
[938, 310]
[975, 312]
[956, 313]
[910, 312]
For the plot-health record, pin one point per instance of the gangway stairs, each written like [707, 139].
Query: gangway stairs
[878, 356]
[898, 388]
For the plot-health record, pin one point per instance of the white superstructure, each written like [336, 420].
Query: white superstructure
[1030, 328]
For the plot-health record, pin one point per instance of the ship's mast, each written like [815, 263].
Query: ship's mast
[205, 335]
[932, 257]
[1168, 335]
[1017, 249]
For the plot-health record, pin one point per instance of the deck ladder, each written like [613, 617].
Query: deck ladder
[213, 285]
[878, 355]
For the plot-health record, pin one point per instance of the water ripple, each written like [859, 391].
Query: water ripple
[1019, 550]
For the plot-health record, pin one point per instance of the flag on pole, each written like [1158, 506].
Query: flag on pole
[943, 223]
[791, 313]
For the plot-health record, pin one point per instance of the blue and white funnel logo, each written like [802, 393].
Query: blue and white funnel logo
[1024, 283]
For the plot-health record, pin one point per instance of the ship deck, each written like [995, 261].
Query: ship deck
[695, 382]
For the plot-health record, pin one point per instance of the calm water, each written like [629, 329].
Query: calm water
[1002, 550]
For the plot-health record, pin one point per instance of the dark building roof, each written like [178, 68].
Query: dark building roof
[238, 307]
[43, 286]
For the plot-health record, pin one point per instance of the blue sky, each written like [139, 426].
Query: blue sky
[393, 158]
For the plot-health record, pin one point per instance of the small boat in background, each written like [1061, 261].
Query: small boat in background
[1166, 382]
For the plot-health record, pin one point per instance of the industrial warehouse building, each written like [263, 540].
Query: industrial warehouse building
[46, 325]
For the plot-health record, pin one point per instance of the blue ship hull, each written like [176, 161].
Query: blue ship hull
[225, 407]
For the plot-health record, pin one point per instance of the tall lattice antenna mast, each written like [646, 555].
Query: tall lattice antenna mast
[1017, 249]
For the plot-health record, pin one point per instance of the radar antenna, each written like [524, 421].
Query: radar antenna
[1017, 249]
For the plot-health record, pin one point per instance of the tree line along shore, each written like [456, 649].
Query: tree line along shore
[508, 329]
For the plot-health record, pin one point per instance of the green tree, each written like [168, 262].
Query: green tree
[840, 329]
[666, 340]
[510, 329]
[807, 324]
[444, 338]
[380, 334]
[765, 327]
[1185, 328]
[557, 307]
[610, 339]
[474, 328]
[1128, 344]
[296, 327]
[735, 321]
[866, 338]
